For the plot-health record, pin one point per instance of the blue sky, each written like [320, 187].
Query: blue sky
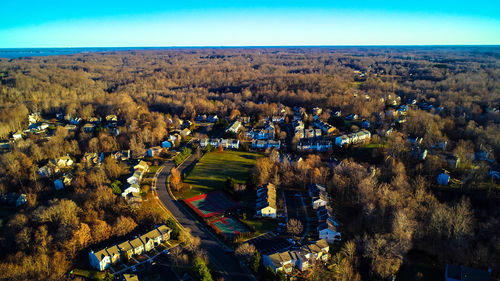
[127, 23]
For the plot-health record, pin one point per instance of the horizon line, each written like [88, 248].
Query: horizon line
[262, 46]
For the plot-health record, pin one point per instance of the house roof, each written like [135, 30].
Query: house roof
[101, 254]
[114, 250]
[125, 246]
[136, 243]
[164, 229]
[155, 233]
[279, 258]
[267, 197]
[130, 277]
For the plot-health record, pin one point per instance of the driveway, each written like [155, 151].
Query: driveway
[223, 260]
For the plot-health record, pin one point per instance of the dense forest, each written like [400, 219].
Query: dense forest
[393, 203]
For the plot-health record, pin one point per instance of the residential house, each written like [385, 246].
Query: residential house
[325, 127]
[142, 165]
[443, 179]
[14, 199]
[67, 178]
[327, 230]
[280, 261]
[48, 170]
[130, 277]
[165, 231]
[71, 128]
[212, 118]
[245, 119]
[320, 200]
[136, 177]
[317, 111]
[63, 162]
[301, 258]
[154, 235]
[266, 201]
[173, 138]
[319, 146]
[122, 155]
[265, 144]
[76, 121]
[353, 138]
[95, 120]
[92, 158]
[234, 127]
[137, 245]
[264, 133]
[126, 250]
[278, 119]
[114, 253]
[133, 188]
[351, 117]
[315, 189]
[166, 144]
[224, 143]
[88, 127]
[185, 132]
[34, 118]
[463, 273]
[17, 135]
[148, 242]
[58, 184]
[111, 118]
[99, 260]
[308, 133]
[154, 151]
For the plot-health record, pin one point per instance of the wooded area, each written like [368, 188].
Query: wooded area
[394, 205]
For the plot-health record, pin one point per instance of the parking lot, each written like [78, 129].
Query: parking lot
[270, 243]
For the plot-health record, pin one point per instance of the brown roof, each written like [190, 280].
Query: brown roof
[112, 251]
[152, 234]
[136, 243]
[164, 229]
[125, 246]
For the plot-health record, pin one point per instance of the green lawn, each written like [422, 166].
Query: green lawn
[261, 225]
[212, 171]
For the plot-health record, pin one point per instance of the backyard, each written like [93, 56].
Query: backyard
[212, 171]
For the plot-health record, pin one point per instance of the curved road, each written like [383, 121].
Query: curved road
[223, 260]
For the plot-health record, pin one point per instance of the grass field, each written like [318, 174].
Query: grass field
[212, 171]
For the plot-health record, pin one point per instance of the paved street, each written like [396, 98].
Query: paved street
[223, 260]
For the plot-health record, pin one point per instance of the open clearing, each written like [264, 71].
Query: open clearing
[213, 169]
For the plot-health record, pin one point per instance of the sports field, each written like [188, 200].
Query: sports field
[229, 227]
[212, 171]
[210, 204]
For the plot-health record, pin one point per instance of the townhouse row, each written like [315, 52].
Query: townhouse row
[103, 258]
[301, 259]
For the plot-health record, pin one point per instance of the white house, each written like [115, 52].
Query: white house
[301, 258]
[234, 127]
[264, 144]
[266, 201]
[319, 201]
[99, 260]
[328, 231]
[133, 188]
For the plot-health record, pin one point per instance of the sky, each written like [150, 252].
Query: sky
[146, 23]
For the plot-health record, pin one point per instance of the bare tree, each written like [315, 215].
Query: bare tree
[294, 227]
